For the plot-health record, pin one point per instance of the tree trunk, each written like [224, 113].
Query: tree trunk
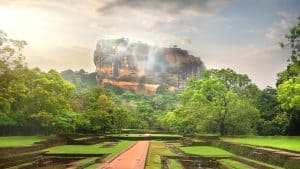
[222, 128]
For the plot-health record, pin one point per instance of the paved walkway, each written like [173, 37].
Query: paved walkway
[133, 158]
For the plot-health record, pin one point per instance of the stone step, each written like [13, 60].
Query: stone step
[16, 157]
[254, 163]
[21, 161]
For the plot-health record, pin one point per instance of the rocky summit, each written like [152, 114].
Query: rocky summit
[139, 66]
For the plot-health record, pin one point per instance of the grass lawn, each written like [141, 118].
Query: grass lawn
[282, 142]
[206, 151]
[94, 166]
[174, 164]
[234, 164]
[15, 141]
[156, 149]
[89, 149]
[177, 144]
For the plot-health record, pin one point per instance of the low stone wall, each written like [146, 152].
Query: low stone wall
[12, 160]
[191, 142]
[280, 158]
[208, 137]
[145, 138]
[87, 141]
[7, 151]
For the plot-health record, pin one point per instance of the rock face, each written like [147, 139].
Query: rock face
[140, 66]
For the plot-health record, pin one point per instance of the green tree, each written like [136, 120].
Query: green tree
[47, 99]
[273, 121]
[288, 81]
[238, 83]
[11, 83]
[81, 79]
[162, 89]
[209, 106]
[289, 94]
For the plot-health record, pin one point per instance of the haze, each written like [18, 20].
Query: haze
[238, 34]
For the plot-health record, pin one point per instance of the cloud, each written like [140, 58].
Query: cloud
[271, 33]
[260, 63]
[57, 57]
[185, 41]
[173, 7]
[278, 29]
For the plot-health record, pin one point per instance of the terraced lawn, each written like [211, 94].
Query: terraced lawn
[89, 149]
[282, 142]
[156, 149]
[16, 141]
[206, 151]
[234, 164]
[174, 164]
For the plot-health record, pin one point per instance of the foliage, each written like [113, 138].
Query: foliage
[288, 82]
[212, 104]
[162, 89]
[273, 121]
[81, 79]
[98, 113]
[31, 101]
[43, 103]
[11, 83]
[238, 83]
[289, 94]
[145, 111]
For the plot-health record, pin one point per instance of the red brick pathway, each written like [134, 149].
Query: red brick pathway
[133, 158]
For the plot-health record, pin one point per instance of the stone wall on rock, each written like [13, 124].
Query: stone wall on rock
[134, 64]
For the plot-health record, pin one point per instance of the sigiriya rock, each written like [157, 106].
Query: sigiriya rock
[136, 65]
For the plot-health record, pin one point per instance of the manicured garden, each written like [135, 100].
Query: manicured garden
[156, 149]
[281, 142]
[206, 151]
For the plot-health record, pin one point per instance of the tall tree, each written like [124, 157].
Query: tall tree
[288, 81]
[210, 106]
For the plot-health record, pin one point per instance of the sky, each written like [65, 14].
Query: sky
[239, 34]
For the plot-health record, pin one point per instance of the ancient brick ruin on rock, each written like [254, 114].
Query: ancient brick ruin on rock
[139, 66]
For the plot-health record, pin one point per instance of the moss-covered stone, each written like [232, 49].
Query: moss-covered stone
[266, 155]
[293, 163]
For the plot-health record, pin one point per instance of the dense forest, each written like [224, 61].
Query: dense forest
[221, 101]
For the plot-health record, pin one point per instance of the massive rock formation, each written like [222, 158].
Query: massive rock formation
[136, 65]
